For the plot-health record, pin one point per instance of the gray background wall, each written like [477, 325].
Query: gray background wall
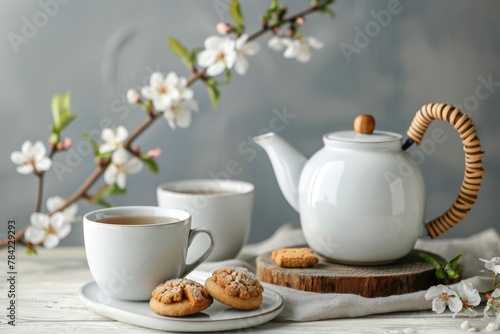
[430, 51]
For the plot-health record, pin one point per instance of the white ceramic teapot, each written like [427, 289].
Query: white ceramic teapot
[361, 198]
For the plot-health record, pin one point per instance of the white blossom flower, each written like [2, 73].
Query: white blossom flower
[443, 296]
[218, 55]
[133, 96]
[298, 48]
[47, 230]
[164, 90]
[179, 114]
[278, 43]
[493, 304]
[120, 167]
[55, 202]
[113, 139]
[31, 158]
[493, 326]
[493, 264]
[469, 297]
[243, 50]
[465, 325]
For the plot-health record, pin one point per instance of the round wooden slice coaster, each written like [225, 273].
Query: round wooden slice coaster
[409, 274]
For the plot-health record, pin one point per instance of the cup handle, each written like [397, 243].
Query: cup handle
[192, 234]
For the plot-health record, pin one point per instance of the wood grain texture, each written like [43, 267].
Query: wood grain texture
[408, 274]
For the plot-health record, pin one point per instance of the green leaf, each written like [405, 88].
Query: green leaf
[104, 191]
[323, 7]
[441, 274]
[454, 262]
[328, 11]
[66, 104]
[452, 274]
[274, 4]
[214, 94]
[66, 120]
[103, 202]
[236, 15]
[61, 113]
[431, 260]
[180, 50]
[324, 3]
[56, 111]
[94, 144]
[193, 54]
[150, 163]
[31, 251]
[112, 190]
[229, 76]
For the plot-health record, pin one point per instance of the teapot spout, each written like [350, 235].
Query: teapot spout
[287, 163]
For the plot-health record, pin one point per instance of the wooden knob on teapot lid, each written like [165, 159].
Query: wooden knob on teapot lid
[364, 124]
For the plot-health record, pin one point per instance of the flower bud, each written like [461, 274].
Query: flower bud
[223, 28]
[155, 152]
[64, 144]
[300, 20]
[133, 96]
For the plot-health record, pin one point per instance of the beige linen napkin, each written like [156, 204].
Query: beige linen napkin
[309, 306]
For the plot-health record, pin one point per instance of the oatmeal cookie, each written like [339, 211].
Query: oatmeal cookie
[235, 287]
[179, 297]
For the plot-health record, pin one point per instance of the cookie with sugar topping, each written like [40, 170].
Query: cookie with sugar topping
[235, 287]
[179, 297]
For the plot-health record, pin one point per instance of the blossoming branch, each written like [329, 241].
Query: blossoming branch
[168, 96]
[466, 297]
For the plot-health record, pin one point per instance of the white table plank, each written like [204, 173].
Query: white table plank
[48, 302]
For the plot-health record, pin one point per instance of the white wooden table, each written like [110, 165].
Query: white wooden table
[47, 301]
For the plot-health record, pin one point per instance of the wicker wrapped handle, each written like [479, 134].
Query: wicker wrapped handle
[473, 165]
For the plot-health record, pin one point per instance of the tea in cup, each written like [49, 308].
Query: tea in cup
[222, 206]
[132, 249]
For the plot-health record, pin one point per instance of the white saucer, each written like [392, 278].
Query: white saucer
[217, 317]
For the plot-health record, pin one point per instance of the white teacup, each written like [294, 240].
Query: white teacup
[132, 249]
[222, 206]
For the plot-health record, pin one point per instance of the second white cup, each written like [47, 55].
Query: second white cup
[222, 206]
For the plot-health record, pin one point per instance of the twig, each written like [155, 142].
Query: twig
[289, 19]
[84, 187]
[150, 120]
[39, 195]
[198, 74]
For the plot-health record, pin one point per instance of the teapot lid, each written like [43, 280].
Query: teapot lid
[364, 126]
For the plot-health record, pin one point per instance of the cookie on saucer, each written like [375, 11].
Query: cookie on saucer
[179, 297]
[235, 287]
